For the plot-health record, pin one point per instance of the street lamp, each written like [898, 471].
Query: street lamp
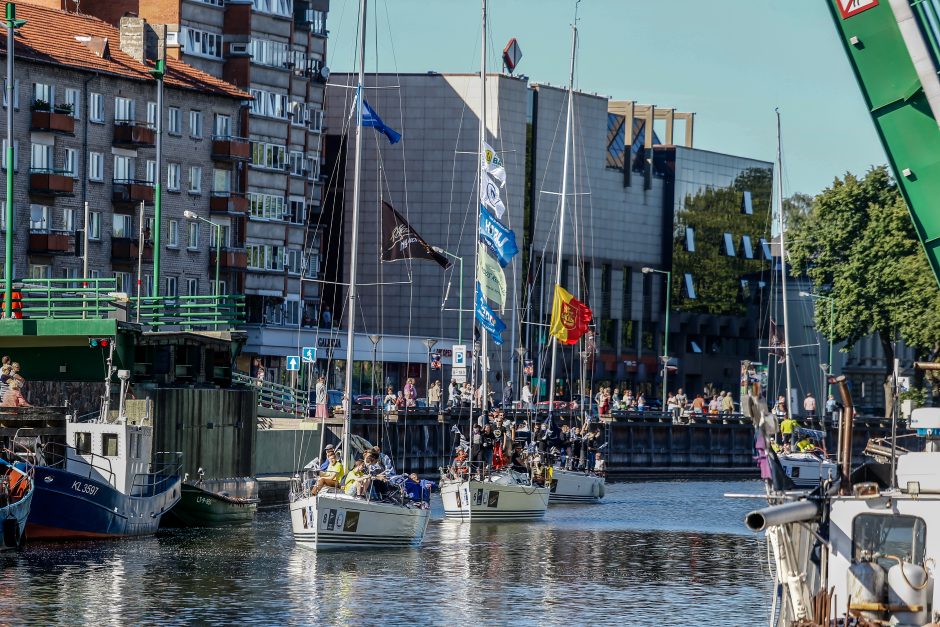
[430, 342]
[191, 215]
[647, 270]
[440, 250]
[831, 320]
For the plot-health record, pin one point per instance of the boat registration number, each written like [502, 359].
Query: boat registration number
[203, 500]
[84, 488]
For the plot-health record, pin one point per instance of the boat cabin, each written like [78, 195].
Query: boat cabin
[116, 453]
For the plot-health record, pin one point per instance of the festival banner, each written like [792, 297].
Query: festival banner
[500, 240]
[491, 276]
[488, 318]
[570, 317]
[493, 165]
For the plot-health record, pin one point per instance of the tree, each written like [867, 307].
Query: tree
[858, 246]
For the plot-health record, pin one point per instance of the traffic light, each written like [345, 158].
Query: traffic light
[98, 342]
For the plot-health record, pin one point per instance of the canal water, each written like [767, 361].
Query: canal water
[654, 553]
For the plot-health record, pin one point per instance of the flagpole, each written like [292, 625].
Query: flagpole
[561, 221]
[481, 174]
[783, 267]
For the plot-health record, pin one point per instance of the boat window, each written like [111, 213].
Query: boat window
[83, 443]
[109, 444]
[879, 535]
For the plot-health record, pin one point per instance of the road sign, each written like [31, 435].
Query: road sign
[293, 363]
[460, 356]
[848, 8]
[459, 374]
[309, 354]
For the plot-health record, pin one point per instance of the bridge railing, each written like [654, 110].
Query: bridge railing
[271, 395]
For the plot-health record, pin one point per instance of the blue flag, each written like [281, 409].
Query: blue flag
[371, 118]
[487, 318]
[497, 238]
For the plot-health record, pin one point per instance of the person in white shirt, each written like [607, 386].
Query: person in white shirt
[527, 397]
[600, 468]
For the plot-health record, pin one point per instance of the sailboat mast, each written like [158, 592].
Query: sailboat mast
[483, 358]
[564, 201]
[783, 267]
[354, 249]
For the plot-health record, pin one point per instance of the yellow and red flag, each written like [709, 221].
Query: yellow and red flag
[570, 317]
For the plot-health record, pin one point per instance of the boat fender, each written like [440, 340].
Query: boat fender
[601, 490]
[11, 532]
[909, 585]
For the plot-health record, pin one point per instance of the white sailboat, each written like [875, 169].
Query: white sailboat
[331, 519]
[483, 494]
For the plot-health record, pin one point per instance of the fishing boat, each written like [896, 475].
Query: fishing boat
[331, 519]
[103, 482]
[214, 503]
[476, 491]
[16, 495]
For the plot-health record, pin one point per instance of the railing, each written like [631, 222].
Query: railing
[56, 455]
[188, 312]
[228, 202]
[276, 396]
[49, 241]
[66, 298]
[164, 471]
[50, 181]
[230, 148]
[133, 133]
[131, 190]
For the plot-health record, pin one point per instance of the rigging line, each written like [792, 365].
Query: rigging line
[325, 282]
[373, 88]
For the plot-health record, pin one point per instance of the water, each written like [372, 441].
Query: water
[654, 553]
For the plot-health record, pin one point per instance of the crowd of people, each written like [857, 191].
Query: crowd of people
[11, 384]
[372, 477]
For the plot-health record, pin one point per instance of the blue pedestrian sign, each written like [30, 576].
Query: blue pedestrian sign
[293, 363]
[309, 354]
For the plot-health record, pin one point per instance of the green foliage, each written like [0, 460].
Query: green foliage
[918, 395]
[40, 105]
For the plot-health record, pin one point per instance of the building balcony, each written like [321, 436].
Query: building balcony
[126, 249]
[50, 242]
[49, 182]
[130, 134]
[54, 121]
[131, 191]
[228, 148]
[228, 202]
[230, 259]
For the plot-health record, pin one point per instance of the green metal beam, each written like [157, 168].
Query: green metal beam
[899, 108]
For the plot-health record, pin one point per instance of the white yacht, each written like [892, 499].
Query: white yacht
[497, 496]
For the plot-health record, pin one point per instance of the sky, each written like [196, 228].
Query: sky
[731, 62]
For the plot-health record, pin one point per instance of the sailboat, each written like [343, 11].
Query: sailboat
[477, 492]
[805, 469]
[16, 495]
[332, 519]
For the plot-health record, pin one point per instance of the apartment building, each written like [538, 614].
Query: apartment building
[276, 51]
[85, 113]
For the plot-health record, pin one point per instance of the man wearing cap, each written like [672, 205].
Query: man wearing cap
[326, 453]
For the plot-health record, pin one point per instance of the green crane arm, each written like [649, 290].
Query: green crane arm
[894, 49]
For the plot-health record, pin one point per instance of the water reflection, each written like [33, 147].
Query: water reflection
[640, 558]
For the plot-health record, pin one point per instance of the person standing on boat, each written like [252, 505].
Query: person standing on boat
[322, 399]
[788, 428]
[831, 406]
[809, 405]
[487, 442]
[527, 397]
[476, 441]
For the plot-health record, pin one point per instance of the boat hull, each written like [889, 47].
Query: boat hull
[18, 512]
[569, 486]
[807, 471]
[69, 506]
[199, 507]
[332, 521]
[492, 501]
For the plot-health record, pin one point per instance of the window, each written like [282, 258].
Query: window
[316, 120]
[171, 289]
[95, 166]
[40, 157]
[44, 93]
[40, 271]
[173, 125]
[746, 247]
[192, 241]
[123, 110]
[689, 286]
[173, 233]
[152, 114]
[96, 108]
[268, 103]
[70, 165]
[263, 257]
[294, 261]
[151, 171]
[317, 21]
[16, 94]
[68, 220]
[265, 155]
[295, 212]
[123, 282]
[195, 179]
[297, 163]
[226, 235]
[192, 287]
[729, 245]
[904, 536]
[123, 226]
[109, 444]
[83, 442]
[148, 230]
[195, 124]
[16, 155]
[276, 7]
[747, 205]
[765, 249]
[266, 206]
[94, 225]
[221, 180]
[173, 177]
[124, 169]
[273, 53]
[73, 99]
[689, 239]
[38, 217]
[201, 43]
[223, 125]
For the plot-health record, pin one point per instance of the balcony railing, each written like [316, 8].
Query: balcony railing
[229, 148]
[129, 133]
[230, 259]
[133, 191]
[127, 249]
[50, 182]
[50, 242]
[228, 202]
[54, 121]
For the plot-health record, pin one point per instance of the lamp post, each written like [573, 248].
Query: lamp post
[440, 250]
[12, 24]
[375, 344]
[832, 303]
[191, 215]
[430, 342]
[647, 270]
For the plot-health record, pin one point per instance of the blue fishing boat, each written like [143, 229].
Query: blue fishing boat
[16, 495]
